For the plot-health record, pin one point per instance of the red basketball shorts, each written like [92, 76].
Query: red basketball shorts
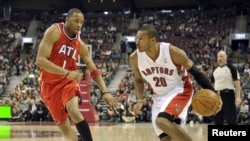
[56, 97]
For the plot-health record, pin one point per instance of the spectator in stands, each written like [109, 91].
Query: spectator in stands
[144, 116]
[32, 110]
[112, 115]
[41, 112]
[24, 108]
[246, 68]
[129, 115]
[57, 56]
[244, 113]
[15, 115]
[100, 111]
[94, 96]
[17, 62]
[116, 115]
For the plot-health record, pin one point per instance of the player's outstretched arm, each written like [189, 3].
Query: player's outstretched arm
[138, 82]
[179, 57]
[97, 76]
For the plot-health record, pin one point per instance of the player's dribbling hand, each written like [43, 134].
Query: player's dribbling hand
[111, 101]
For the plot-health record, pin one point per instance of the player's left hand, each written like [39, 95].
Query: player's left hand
[75, 75]
[111, 101]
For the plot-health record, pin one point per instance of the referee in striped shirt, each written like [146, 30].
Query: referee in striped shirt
[226, 82]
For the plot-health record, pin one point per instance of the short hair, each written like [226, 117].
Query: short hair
[72, 11]
[150, 29]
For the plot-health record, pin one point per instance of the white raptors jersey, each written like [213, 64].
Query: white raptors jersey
[162, 74]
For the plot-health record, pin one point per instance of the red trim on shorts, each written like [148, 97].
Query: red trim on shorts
[179, 102]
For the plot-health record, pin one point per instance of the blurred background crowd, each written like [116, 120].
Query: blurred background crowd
[200, 33]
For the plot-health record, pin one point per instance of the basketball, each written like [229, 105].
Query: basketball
[206, 102]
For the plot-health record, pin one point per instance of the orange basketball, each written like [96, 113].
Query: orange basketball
[206, 102]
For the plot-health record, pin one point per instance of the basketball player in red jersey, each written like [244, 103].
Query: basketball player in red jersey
[167, 69]
[57, 58]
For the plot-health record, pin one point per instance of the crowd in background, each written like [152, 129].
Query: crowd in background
[200, 35]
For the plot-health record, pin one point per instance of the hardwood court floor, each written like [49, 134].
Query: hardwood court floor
[101, 131]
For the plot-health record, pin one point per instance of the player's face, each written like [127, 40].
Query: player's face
[75, 22]
[143, 41]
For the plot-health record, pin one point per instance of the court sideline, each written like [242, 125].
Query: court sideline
[102, 131]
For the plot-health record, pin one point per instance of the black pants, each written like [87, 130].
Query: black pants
[228, 110]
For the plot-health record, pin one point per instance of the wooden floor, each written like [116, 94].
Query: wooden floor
[105, 131]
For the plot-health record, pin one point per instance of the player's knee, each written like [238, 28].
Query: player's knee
[74, 113]
[163, 115]
[72, 108]
[69, 109]
[161, 118]
[163, 135]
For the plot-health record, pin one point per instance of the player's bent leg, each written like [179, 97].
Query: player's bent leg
[81, 124]
[67, 131]
[167, 123]
[73, 110]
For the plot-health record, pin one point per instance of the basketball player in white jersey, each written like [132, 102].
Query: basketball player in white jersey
[167, 69]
